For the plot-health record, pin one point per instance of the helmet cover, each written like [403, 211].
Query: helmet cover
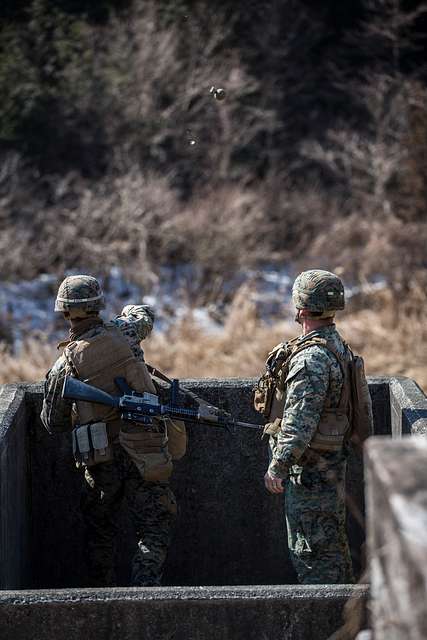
[318, 291]
[82, 294]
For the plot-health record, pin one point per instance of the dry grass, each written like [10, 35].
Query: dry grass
[391, 345]
[392, 341]
[30, 366]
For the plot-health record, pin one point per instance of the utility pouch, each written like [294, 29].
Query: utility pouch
[81, 444]
[268, 392]
[102, 452]
[177, 438]
[90, 444]
[263, 395]
[362, 423]
[149, 453]
[331, 432]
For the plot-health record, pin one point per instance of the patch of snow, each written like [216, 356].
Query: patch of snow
[26, 307]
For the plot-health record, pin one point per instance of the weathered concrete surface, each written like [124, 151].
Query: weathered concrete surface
[15, 481]
[229, 531]
[178, 613]
[408, 406]
[397, 524]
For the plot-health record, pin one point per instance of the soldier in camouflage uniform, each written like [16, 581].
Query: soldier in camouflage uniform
[150, 501]
[308, 433]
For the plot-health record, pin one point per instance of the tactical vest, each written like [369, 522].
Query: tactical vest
[99, 356]
[270, 394]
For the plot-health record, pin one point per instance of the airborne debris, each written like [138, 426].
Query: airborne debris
[190, 138]
[217, 92]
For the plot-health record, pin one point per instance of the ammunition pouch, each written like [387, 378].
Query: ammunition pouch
[90, 444]
[177, 438]
[149, 452]
[268, 392]
[263, 395]
[332, 431]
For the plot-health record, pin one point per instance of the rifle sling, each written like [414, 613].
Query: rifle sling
[158, 374]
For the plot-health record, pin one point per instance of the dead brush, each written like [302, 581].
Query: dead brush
[392, 342]
[392, 336]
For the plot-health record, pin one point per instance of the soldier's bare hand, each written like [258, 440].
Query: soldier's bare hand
[272, 484]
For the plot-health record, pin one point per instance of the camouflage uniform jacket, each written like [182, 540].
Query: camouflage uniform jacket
[314, 377]
[135, 322]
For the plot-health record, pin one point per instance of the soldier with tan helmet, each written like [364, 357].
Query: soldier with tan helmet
[118, 460]
[306, 397]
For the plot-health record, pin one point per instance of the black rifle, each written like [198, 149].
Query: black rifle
[144, 407]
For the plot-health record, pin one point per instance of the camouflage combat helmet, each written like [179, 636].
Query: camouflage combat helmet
[318, 291]
[80, 296]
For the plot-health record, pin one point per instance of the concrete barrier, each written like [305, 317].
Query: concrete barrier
[15, 489]
[397, 523]
[178, 613]
[230, 533]
[408, 408]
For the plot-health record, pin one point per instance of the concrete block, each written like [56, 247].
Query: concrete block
[15, 479]
[397, 524]
[176, 613]
[408, 407]
[230, 531]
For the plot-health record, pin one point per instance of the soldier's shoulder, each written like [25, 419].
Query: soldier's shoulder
[58, 367]
[315, 358]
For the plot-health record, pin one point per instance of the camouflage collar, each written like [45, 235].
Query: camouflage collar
[321, 332]
[84, 326]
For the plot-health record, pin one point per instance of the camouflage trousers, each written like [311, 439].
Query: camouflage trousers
[152, 509]
[315, 519]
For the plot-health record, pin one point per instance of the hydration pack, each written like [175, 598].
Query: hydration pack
[362, 421]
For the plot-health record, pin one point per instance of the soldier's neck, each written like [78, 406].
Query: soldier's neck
[79, 326]
[310, 324]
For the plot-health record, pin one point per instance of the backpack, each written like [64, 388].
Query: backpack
[362, 421]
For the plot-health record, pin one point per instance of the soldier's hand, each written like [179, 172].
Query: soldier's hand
[272, 484]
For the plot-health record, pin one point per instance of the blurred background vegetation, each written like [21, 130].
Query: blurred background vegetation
[114, 153]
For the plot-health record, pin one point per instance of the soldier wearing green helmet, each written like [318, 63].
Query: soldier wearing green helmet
[305, 396]
[117, 459]
[319, 292]
[79, 297]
